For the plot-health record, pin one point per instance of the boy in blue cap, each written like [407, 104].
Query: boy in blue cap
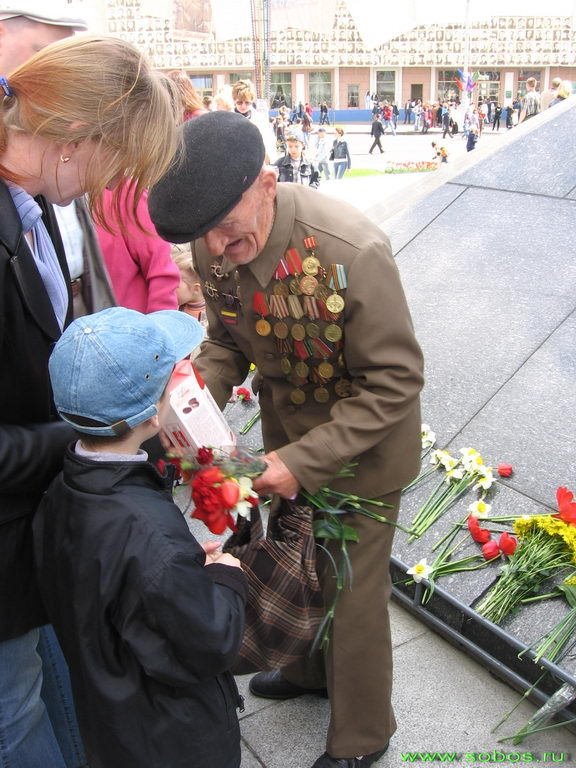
[150, 622]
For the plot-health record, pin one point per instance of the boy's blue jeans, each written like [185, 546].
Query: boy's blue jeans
[38, 726]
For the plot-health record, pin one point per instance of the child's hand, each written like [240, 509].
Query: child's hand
[213, 555]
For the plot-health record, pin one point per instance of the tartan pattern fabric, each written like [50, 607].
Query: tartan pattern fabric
[285, 606]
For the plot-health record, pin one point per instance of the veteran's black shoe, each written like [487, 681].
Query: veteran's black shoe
[362, 761]
[271, 685]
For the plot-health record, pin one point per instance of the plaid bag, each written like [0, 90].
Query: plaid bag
[285, 607]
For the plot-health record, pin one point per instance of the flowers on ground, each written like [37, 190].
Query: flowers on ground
[505, 470]
[547, 545]
[411, 166]
[460, 474]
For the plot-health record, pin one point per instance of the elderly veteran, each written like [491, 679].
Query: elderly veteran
[306, 287]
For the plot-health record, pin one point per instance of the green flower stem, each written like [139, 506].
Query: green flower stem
[417, 480]
[249, 424]
[356, 499]
[450, 535]
[441, 499]
[533, 562]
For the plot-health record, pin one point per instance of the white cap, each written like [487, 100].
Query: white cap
[55, 13]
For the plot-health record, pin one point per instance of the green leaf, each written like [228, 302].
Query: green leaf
[569, 591]
[349, 534]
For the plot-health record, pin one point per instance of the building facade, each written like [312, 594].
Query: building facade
[335, 66]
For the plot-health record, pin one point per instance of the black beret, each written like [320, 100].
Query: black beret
[223, 155]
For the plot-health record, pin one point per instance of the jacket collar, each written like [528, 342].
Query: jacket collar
[21, 261]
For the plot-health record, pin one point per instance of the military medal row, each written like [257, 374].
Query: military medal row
[321, 394]
[298, 331]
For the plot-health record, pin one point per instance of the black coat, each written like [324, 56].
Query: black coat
[32, 440]
[307, 172]
[147, 630]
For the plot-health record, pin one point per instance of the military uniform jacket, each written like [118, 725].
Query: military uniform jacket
[368, 407]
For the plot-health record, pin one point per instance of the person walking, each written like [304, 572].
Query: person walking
[376, 131]
[346, 390]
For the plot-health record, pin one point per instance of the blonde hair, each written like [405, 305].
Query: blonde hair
[190, 99]
[243, 90]
[223, 99]
[102, 90]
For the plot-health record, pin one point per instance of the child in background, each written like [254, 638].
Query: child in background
[150, 622]
[190, 297]
[142, 274]
[443, 155]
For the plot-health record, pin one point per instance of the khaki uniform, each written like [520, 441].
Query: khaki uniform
[365, 409]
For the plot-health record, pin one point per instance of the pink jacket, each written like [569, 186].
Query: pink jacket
[140, 266]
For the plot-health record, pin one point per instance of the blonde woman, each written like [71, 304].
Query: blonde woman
[78, 117]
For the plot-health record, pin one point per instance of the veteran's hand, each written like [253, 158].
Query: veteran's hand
[277, 478]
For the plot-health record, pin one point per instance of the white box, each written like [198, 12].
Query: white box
[192, 419]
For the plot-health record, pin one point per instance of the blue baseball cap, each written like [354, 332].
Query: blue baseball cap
[108, 370]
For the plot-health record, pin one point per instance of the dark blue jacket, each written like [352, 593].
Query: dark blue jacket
[148, 631]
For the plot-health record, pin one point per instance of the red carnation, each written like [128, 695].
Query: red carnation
[507, 543]
[205, 456]
[490, 550]
[505, 470]
[243, 394]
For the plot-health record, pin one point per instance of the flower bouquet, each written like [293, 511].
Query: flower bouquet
[547, 546]
[221, 485]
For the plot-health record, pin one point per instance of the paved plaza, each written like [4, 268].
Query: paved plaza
[485, 246]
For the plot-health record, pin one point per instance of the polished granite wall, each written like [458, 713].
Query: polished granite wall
[488, 264]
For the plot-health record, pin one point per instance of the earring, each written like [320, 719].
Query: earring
[64, 158]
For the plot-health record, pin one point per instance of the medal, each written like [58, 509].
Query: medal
[294, 287]
[322, 292]
[343, 388]
[281, 330]
[285, 366]
[310, 265]
[326, 370]
[312, 330]
[298, 396]
[333, 332]
[321, 395]
[280, 289]
[301, 370]
[298, 332]
[335, 303]
[308, 285]
[263, 327]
